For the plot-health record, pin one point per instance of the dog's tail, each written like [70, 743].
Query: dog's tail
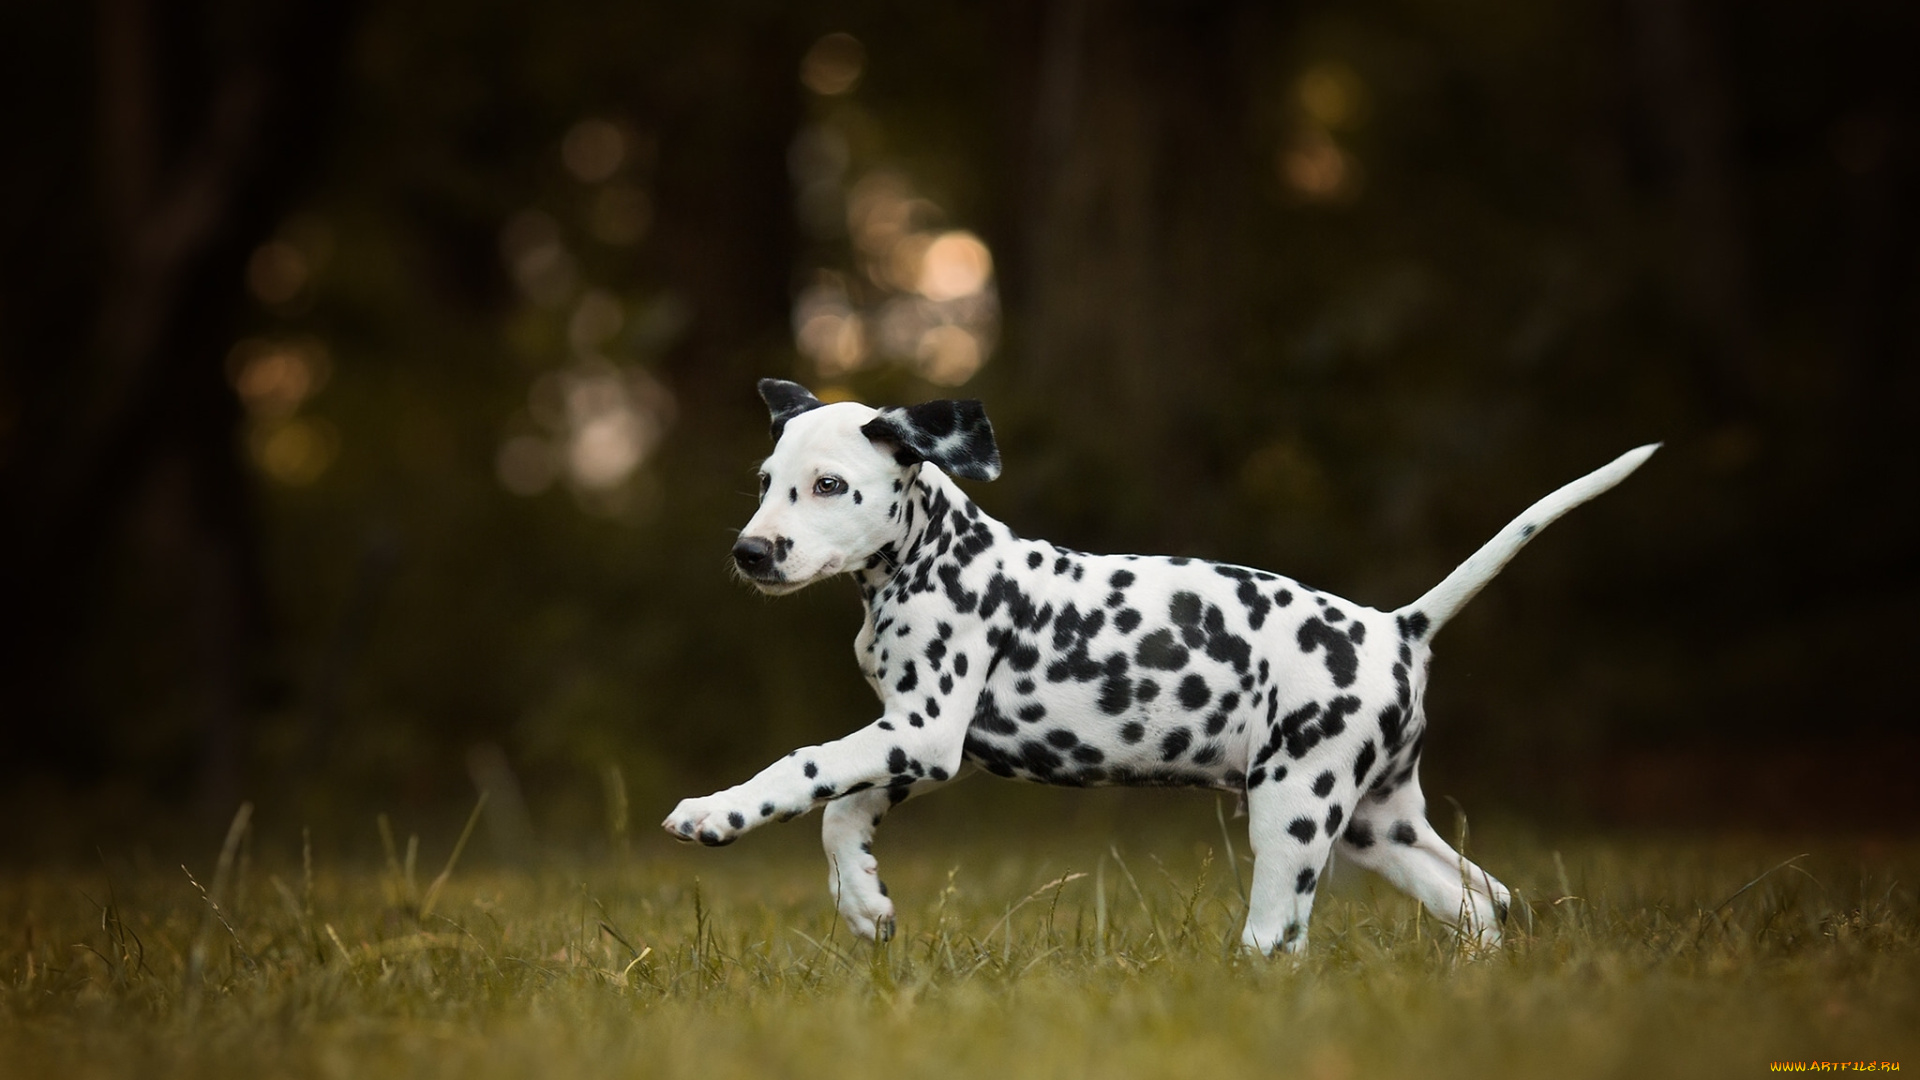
[1428, 614]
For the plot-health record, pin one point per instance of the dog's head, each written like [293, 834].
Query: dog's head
[834, 492]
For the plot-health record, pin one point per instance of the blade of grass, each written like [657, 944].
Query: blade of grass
[433, 891]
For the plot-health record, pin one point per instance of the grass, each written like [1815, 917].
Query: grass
[1060, 955]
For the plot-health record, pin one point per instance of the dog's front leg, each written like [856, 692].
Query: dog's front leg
[889, 755]
[853, 876]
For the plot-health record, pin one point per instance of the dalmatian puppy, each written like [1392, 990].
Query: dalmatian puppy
[1039, 663]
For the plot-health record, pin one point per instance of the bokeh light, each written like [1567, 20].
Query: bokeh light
[593, 150]
[1332, 96]
[1318, 169]
[834, 65]
[954, 265]
[538, 259]
[277, 273]
[948, 355]
[915, 293]
[295, 452]
[274, 377]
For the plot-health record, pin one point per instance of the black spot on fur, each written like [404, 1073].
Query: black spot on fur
[1360, 834]
[1392, 729]
[1022, 656]
[811, 770]
[1039, 758]
[988, 717]
[963, 600]
[1126, 621]
[1302, 829]
[1158, 650]
[1132, 732]
[1076, 665]
[1323, 785]
[1412, 626]
[1194, 693]
[1363, 764]
[1184, 609]
[1334, 815]
[1342, 662]
[1257, 605]
[1402, 833]
[1175, 743]
[1306, 882]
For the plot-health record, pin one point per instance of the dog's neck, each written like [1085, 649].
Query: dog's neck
[932, 509]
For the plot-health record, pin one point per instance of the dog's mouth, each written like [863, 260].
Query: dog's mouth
[775, 582]
[779, 587]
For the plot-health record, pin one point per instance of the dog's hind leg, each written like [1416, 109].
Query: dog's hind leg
[1392, 838]
[853, 875]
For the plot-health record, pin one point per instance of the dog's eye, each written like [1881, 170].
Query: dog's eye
[829, 485]
[765, 483]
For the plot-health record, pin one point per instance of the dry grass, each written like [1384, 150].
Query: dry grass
[1644, 957]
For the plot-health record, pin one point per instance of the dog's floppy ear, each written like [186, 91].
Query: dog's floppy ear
[955, 435]
[786, 400]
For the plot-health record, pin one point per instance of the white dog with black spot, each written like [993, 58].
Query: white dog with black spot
[1032, 661]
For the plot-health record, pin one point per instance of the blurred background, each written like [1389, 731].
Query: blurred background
[376, 379]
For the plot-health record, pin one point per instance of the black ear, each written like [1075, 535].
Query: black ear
[954, 435]
[786, 400]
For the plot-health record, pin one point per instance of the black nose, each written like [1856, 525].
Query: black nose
[752, 554]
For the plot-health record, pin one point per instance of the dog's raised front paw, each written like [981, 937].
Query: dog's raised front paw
[702, 820]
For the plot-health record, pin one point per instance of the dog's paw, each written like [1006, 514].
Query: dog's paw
[704, 821]
[871, 918]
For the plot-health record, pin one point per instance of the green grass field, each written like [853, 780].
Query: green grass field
[1077, 952]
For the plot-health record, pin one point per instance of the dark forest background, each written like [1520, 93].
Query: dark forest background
[376, 379]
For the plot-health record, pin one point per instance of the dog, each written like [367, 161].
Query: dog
[1032, 661]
